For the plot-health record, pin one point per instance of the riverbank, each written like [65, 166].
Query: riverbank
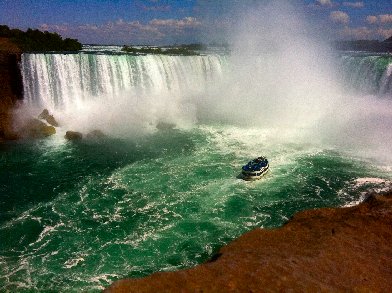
[330, 249]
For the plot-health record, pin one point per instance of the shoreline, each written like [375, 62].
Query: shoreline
[327, 249]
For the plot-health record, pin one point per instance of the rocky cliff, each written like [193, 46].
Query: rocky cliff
[11, 87]
[323, 250]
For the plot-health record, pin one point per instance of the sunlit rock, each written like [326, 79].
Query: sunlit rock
[35, 128]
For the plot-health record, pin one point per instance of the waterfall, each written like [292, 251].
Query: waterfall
[64, 81]
[368, 74]
[120, 92]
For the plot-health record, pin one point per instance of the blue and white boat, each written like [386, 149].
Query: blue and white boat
[255, 169]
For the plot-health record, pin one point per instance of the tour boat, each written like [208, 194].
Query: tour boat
[255, 169]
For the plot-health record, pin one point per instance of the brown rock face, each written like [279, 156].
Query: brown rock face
[11, 88]
[6, 105]
[73, 135]
[324, 250]
[35, 128]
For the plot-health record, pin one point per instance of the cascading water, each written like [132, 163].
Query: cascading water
[368, 74]
[159, 87]
[119, 93]
[63, 81]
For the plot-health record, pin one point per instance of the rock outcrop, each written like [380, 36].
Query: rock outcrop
[11, 88]
[35, 128]
[73, 135]
[165, 126]
[323, 250]
[48, 118]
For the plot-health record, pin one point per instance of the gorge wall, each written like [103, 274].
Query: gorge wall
[11, 85]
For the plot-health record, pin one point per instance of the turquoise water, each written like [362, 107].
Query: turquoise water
[77, 216]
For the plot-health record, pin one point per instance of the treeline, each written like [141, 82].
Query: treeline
[365, 45]
[34, 40]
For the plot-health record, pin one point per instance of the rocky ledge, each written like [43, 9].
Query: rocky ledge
[322, 250]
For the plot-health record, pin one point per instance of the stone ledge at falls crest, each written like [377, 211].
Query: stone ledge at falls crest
[322, 250]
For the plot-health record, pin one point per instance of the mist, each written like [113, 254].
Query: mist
[281, 75]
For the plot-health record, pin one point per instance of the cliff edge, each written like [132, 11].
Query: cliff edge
[11, 87]
[322, 250]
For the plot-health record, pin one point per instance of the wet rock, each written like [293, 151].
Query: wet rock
[35, 128]
[6, 110]
[165, 126]
[73, 135]
[95, 134]
[48, 118]
[11, 86]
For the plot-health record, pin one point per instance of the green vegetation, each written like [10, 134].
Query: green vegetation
[182, 50]
[37, 41]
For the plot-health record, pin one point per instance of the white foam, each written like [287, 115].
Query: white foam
[365, 186]
[106, 278]
[73, 262]
[355, 202]
[46, 232]
[362, 181]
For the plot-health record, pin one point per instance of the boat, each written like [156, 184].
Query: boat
[255, 169]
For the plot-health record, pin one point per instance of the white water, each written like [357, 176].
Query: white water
[369, 74]
[67, 80]
[106, 90]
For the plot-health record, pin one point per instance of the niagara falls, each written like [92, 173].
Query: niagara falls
[150, 182]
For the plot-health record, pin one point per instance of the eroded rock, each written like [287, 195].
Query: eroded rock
[48, 118]
[73, 135]
[35, 128]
